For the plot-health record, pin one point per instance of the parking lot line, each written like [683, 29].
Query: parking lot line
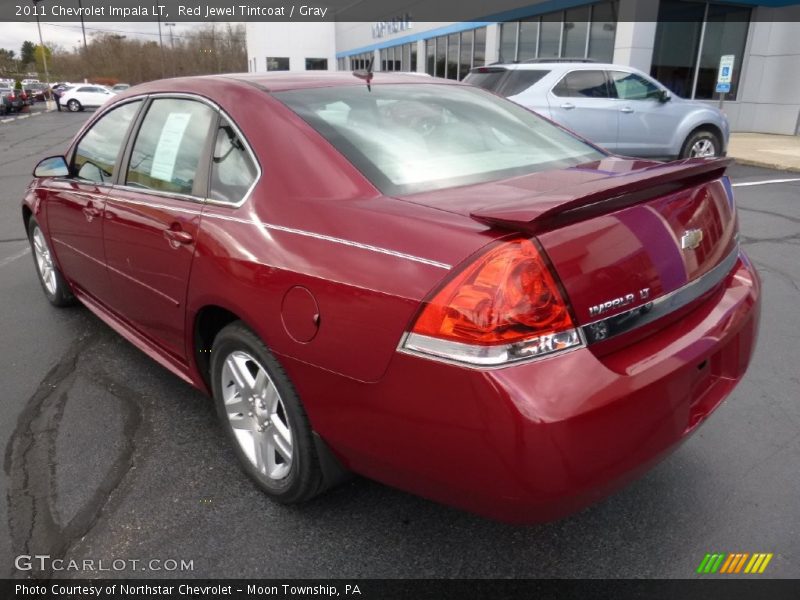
[13, 257]
[749, 183]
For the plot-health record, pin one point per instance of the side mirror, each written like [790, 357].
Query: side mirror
[664, 96]
[55, 166]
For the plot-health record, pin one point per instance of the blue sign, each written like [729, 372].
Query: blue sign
[723, 88]
[726, 71]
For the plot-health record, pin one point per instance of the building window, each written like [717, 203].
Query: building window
[453, 55]
[583, 32]
[277, 63]
[575, 37]
[690, 39]
[316, 64]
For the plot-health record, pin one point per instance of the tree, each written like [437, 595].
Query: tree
[8, 64]
[39, 62]
[28, 52]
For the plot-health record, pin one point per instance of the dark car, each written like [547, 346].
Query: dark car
[38, 92]
[12, 100]
[415, 280]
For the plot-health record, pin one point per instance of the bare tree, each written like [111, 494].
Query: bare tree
[110, 57]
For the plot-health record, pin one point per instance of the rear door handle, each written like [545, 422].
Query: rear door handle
[90, 212]
[176, 237]
[568, 106]
[626, 109]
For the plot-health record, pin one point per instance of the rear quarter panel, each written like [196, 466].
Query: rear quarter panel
[314, 222]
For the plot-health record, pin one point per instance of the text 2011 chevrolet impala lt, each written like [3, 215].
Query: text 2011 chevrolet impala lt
[417, 281]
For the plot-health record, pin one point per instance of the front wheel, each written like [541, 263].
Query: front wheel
[55, 287]
[263, 417]
[701, 144]
[74, 106]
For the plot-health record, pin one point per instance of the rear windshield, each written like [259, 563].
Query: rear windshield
[505, 82]
[419, 137]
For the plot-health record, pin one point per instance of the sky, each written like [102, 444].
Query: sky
[68, 35]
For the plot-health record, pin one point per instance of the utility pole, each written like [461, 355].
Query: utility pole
[85, 47]
[161, 46]
[83, 28]
[44, 51]
[171, 46]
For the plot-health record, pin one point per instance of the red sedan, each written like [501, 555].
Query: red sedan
[415, 280]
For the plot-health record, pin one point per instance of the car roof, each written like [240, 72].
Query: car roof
[562, 65]
[282, 81]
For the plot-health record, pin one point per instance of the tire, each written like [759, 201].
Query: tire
[701, 143]
[270, 432]
[55, 288]
[74, 106]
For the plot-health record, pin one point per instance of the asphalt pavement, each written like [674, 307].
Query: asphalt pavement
[108, 456]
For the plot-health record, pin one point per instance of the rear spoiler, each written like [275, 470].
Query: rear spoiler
[549, 210]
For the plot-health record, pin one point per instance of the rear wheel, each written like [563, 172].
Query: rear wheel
[263, 417]
[53, 284]
[701, 144]
[74, 106]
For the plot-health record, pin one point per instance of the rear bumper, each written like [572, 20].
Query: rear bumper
[537, 441]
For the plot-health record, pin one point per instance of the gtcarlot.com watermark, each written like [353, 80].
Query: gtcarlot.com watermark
[44, 562]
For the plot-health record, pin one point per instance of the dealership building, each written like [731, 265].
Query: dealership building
[678, 42]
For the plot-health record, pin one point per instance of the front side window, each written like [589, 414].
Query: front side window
[630, 86]
[582, 84]
[418, 137]
[96, 154]
[167, 151]
[232, 169]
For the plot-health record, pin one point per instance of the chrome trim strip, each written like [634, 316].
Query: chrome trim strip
[335, 240]
[163, 194]
[153, 205]
[604, 329]
[448, 351]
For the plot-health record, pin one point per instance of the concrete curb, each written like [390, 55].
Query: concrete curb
[27, 115]
[765, 164]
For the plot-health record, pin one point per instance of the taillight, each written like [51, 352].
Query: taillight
[504, 307]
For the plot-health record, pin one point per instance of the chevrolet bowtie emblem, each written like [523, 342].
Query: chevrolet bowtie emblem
[691, 239]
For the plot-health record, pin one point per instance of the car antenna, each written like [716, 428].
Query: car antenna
[367, 74]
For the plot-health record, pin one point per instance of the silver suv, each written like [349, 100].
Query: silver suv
[618, 108]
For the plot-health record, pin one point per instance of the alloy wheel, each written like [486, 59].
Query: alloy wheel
[257, 415]
[703, 148]
[44, 261]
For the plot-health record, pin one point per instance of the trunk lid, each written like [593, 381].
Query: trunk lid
[619, 233]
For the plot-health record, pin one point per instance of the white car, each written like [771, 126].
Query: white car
[85, 96]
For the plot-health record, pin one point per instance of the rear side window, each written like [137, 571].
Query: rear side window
[97, 151]
[506, 82]
[488, 79]
[583, 84]
[520, 80]
[167, 152]
[630, 86]
[233, 170]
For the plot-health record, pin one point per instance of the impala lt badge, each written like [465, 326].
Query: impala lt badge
[691, 239]
[604, 307]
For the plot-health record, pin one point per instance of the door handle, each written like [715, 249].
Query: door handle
[176, 237]
[90, 212]
[568, 106]
[626, 109]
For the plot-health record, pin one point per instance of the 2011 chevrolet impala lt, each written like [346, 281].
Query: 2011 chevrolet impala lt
[411, 279]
